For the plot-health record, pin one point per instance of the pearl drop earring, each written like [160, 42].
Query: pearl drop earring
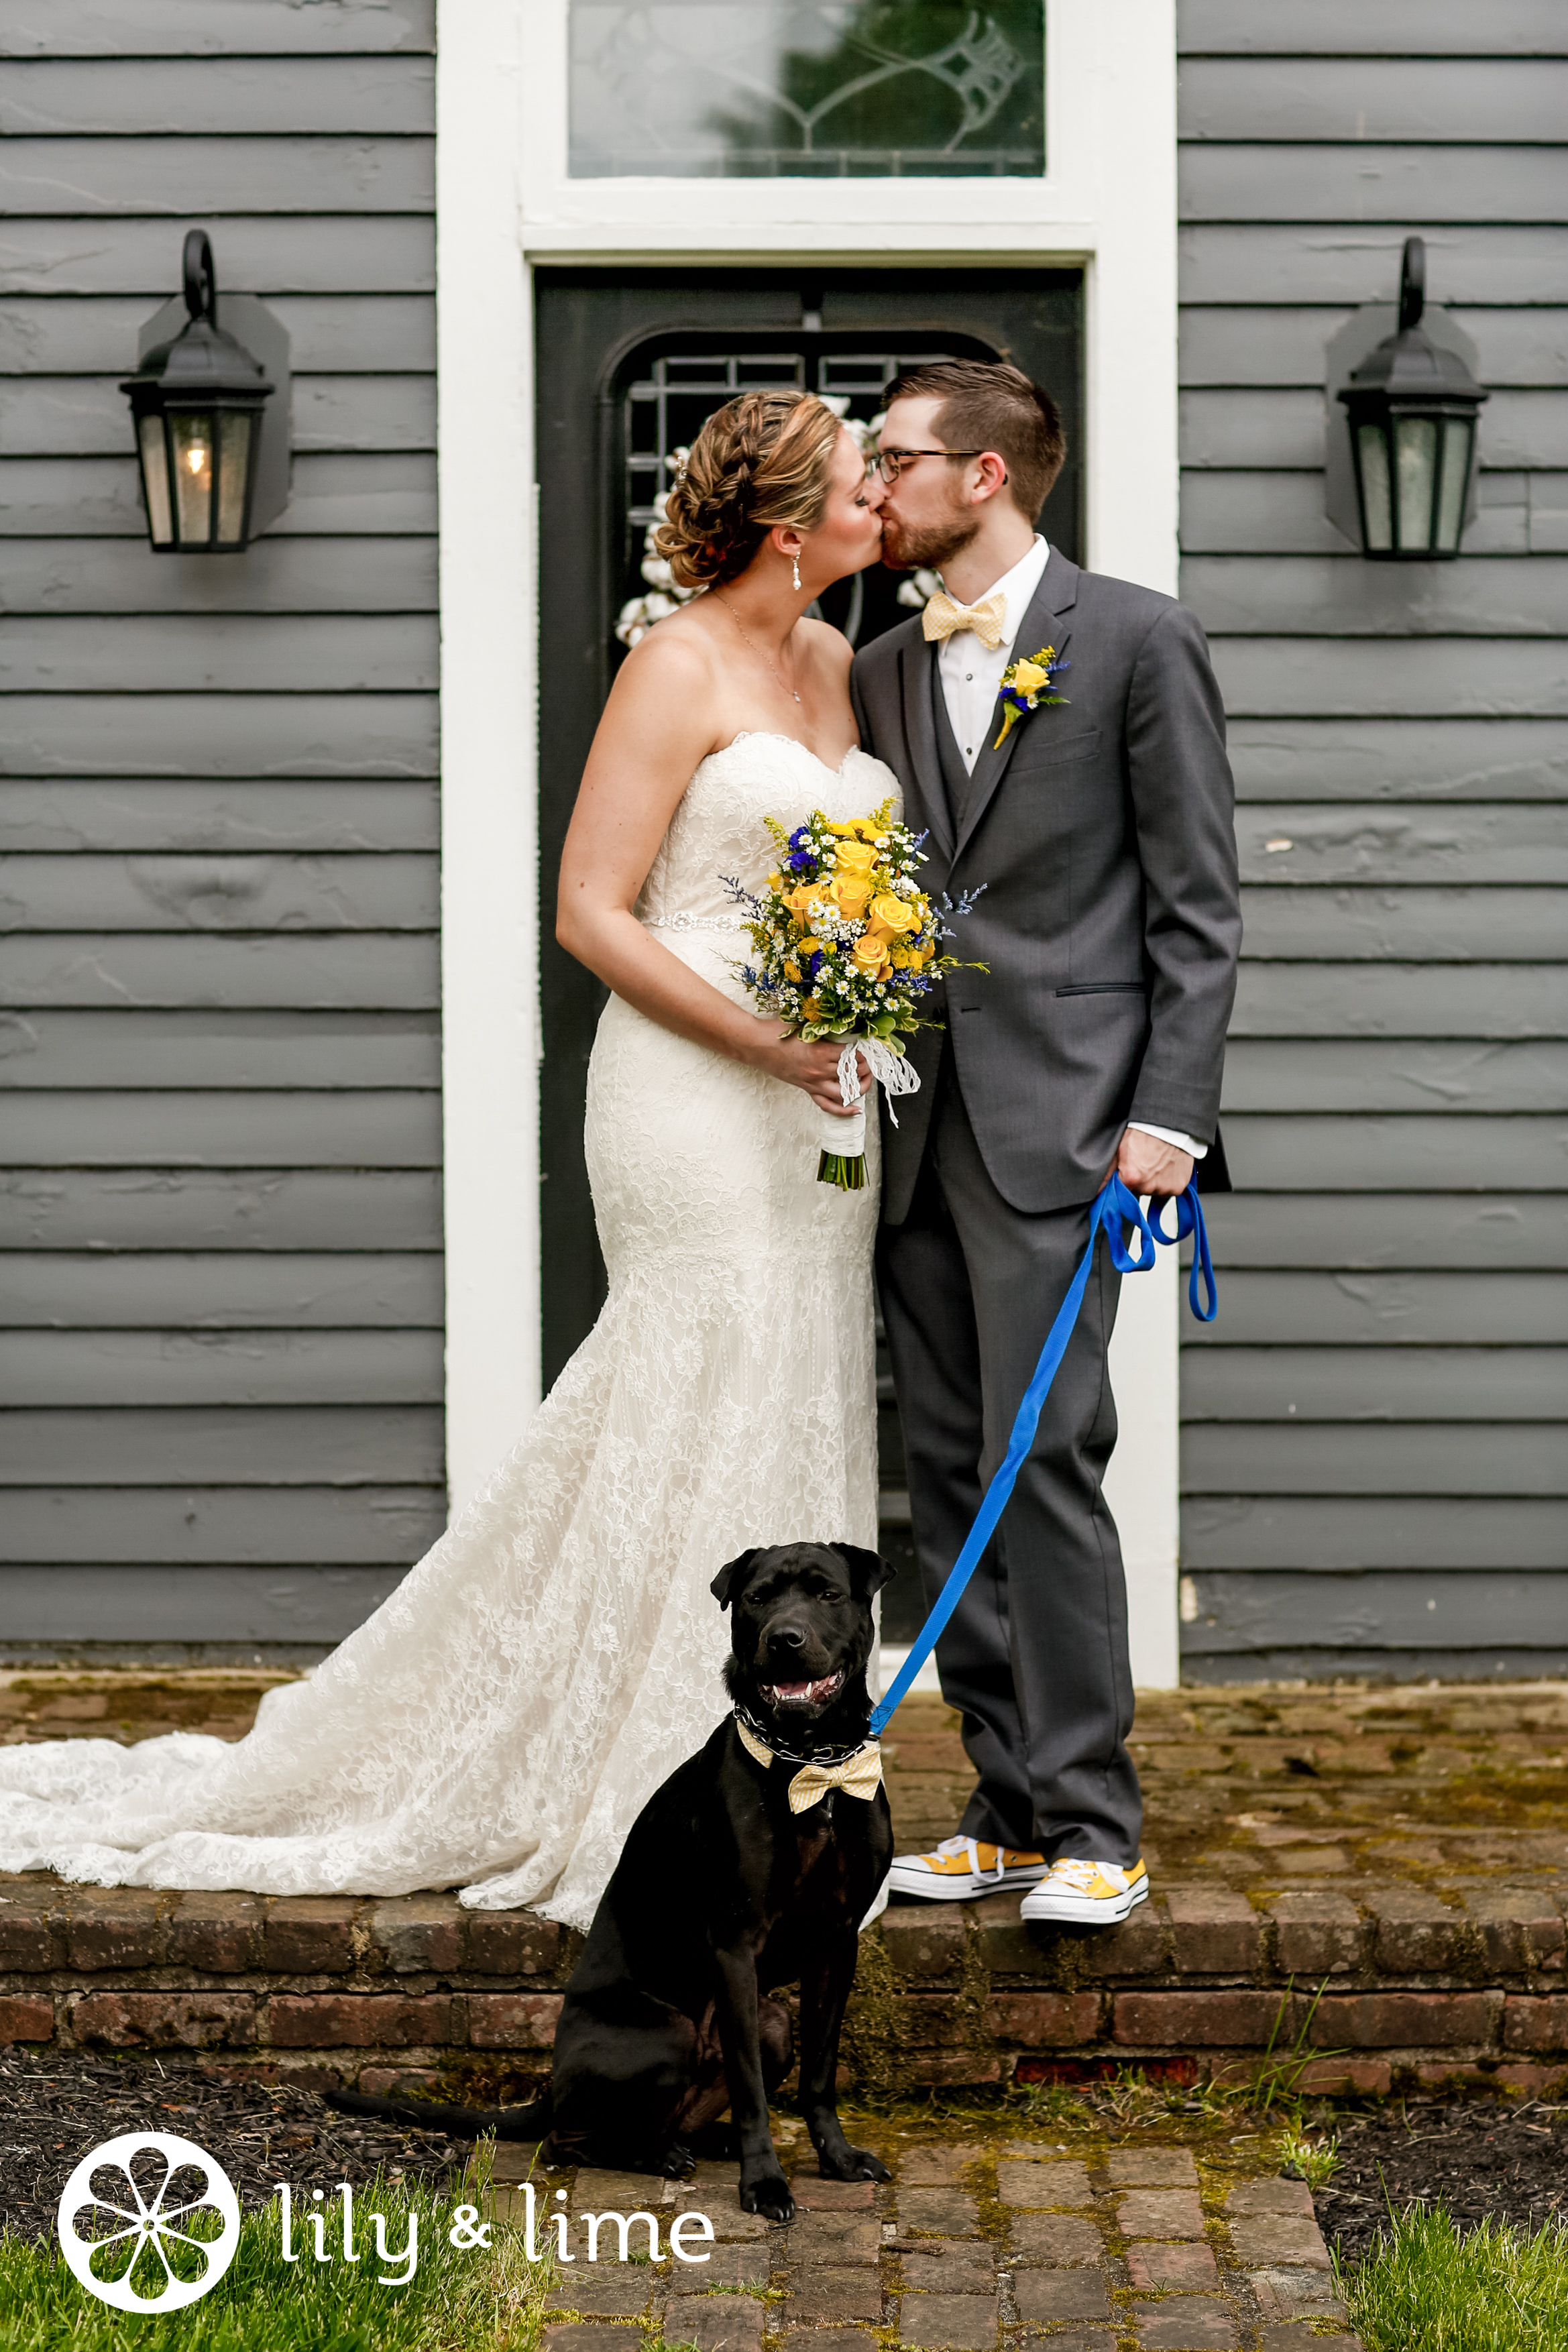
[795, 570]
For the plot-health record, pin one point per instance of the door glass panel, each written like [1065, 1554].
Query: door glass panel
[812, 88]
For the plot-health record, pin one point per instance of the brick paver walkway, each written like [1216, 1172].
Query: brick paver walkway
[995, 2243]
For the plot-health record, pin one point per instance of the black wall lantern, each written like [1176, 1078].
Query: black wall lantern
[197, 403]
[1413, 409]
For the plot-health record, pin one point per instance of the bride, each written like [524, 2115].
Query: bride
[503, 1717]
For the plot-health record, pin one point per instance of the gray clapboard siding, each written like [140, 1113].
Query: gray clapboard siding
[1462, 678]
[86, 416]
[1375, 1230]
[56, 98]
[216, 1524]
[309, 970]
[173, 177]
[228, 734]
[97, 576]
[386, 494]
[1253, 512]
[1384, 1385]
[328, 1051]
[221, 1290]
[175, 29]
[392, 891]
[1349, 1308]
[1422, 1458]
[157, 1609]
[1279, 345]
[269, 253]
[1335, 1075]
[1271, 426]
[1447, 925]
[369, 1129]
[1456, 28]
[1485, 1615]
[1262, 596]
[346, 1209]
[136, 815]
[1306, 843]
[1409, 1152]
[1354, 263]
[1370, 183]
[136, 1368]
[283, 1445]
[356, 334]
[1469, 1000]
[1405, 1531]
[1302, 757]
[262, 652]
[1368, 99]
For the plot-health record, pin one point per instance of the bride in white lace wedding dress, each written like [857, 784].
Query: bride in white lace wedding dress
[501, 1721]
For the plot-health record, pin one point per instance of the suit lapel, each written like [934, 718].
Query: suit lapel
[1056, 595]
[930, 812]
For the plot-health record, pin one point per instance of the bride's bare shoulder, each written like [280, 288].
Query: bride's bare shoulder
[829, 645]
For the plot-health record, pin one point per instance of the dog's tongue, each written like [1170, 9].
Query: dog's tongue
[804, 1694]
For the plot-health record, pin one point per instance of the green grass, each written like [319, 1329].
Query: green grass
[456, 2301]
[1427, 2288]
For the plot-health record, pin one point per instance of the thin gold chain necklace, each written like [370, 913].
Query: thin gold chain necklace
[755, 648]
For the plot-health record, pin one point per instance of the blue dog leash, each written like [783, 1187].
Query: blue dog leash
[1115, 1208]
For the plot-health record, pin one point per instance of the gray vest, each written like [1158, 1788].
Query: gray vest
[955, 777]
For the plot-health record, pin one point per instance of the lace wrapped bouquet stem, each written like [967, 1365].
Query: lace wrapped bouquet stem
[846, 945]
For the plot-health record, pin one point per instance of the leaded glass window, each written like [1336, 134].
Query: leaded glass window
[808, 88]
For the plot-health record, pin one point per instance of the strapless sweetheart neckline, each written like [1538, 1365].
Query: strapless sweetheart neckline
[775, 735]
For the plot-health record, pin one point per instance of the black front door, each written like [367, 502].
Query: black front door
[629, 365]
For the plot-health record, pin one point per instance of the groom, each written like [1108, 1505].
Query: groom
[1093, 1039]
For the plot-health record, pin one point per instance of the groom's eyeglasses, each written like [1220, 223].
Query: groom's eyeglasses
[890, 463]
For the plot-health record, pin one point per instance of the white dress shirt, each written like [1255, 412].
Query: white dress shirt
[971, 677]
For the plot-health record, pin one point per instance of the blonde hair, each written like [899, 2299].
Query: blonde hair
[765, 459]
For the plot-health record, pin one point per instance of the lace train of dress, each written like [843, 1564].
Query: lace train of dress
[501, 1721]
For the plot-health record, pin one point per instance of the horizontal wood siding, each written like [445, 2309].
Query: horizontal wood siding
[1375, 1460]
[220, 1132]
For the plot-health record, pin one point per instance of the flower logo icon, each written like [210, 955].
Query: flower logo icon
[142, 2240]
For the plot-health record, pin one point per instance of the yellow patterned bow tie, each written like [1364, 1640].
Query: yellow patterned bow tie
[859, 1775]
[941, 617]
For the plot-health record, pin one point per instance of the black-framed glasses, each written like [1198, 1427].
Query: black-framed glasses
[890, 463]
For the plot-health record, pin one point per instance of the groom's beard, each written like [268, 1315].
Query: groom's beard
[906, 546]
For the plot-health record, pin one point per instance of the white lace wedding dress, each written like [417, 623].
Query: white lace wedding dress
[503, 1717]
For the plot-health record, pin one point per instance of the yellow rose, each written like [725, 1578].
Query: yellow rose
[870, 954]
[856, 857]
[1030, 677]
[853, 893]
[895, 914]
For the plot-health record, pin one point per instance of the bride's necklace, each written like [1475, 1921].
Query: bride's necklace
[752, 643]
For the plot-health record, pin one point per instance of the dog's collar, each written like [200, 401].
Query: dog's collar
[859, 1772]
[762, 1738]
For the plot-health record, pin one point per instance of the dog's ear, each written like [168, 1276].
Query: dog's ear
[724, 1581]
[869, 1571]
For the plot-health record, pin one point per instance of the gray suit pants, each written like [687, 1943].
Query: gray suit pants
[1035, 1657]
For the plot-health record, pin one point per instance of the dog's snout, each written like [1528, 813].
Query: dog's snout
[791, 1637]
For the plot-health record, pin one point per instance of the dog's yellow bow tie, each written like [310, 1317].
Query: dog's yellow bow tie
[942, 617]
[859, 1775]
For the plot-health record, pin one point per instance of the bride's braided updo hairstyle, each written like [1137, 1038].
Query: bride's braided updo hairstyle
[761, 461]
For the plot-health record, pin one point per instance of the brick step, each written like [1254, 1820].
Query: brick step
[1413, 1988]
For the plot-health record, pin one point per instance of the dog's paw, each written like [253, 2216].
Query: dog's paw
[676, 2161]
[847, 2163]
[767, 2194]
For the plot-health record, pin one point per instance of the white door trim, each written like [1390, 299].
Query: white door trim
[504, 203]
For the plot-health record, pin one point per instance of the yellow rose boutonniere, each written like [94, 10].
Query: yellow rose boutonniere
[1026, 684]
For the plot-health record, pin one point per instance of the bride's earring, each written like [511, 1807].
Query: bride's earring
[795, 570]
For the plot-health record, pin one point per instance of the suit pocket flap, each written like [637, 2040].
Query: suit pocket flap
[1042, 748]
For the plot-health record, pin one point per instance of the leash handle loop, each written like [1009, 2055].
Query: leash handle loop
[1120, 1214]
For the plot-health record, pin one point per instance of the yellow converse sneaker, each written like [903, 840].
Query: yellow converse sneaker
[961, 1867]
[1089, 1893]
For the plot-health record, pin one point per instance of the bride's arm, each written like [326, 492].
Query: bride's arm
[658, 724]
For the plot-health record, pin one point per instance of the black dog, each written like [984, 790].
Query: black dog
[723, 1893]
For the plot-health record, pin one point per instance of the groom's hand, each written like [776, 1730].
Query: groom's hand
[1146, 1165]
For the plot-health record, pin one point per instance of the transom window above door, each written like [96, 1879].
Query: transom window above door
[808, 88]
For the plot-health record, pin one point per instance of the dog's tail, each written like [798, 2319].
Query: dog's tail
[464, 2123]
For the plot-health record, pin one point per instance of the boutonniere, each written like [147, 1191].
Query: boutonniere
[1025, 685]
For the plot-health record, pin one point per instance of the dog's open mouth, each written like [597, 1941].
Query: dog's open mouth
[803, 1694]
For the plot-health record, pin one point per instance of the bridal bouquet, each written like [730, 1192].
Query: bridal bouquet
[846, 945]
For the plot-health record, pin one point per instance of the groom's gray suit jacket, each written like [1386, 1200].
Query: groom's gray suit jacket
[1103, 830]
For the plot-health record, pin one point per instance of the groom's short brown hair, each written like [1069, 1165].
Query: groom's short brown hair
[986, 404]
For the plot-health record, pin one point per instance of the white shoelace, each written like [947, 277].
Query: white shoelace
[970, 1846]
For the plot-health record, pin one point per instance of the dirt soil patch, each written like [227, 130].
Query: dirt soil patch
[1481, 2158]
[52, 2113]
